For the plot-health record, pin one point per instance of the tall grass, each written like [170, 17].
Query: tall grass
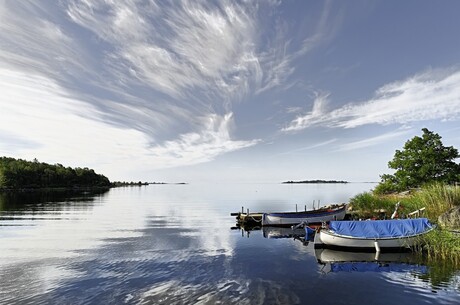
[437, 198]
[367, 203]
[441, 246]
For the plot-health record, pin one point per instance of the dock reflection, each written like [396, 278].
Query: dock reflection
[276, 233]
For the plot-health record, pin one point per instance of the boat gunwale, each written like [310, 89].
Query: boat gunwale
[312, 213]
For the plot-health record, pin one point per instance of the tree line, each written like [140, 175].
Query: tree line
[17, 174]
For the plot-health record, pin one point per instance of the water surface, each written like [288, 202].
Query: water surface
[173, 244]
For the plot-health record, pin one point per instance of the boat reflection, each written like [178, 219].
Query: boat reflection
[277, 233]
[345, 261]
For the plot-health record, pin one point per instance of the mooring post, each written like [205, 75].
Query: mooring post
[305, 208]
[296, 207]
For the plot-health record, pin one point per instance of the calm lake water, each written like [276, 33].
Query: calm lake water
[173, 244]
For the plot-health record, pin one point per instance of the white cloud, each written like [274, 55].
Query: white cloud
[316, 116]
[191, 148]
[40, 121]
[310, 147]
[177, 48]
[433, 95]
[36, 110]
[374, 140]
[145, 80]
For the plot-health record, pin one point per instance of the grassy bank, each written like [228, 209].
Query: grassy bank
[436, 199]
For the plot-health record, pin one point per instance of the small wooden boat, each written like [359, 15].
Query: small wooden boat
[324, 214]
[374, 235]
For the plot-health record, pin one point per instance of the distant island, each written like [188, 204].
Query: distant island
[139, 183]
[315, 181]
[131, 183]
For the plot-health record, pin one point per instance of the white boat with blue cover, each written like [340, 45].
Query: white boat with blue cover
[375, 235]
[324, 214]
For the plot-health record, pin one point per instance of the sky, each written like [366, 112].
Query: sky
[226, 91]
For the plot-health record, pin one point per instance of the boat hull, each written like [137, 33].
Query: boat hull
[330, 240]
[310, 217]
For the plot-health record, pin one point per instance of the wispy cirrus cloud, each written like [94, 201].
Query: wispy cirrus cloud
[315, 116]
[63, 126]
[374, 140]
[177, 48]
[164, 71]
[168, 71]
[310, 147]
[433, 95]
[200, 147]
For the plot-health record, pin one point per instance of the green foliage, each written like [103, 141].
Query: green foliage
[388, 185]
[17, 173]
[423, 160]
[367, 203]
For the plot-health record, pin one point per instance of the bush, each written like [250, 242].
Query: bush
[386, 187]
[368, 202]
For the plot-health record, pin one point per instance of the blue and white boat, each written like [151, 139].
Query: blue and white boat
[318, 216]
[374, 235]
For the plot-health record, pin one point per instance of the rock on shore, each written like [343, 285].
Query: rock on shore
[450, 219]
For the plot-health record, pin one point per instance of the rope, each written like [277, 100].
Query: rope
[253, 219]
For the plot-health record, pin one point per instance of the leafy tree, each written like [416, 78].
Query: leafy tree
[423, 160]
[17, 173]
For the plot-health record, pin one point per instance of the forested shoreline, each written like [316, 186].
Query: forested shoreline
[18, 174]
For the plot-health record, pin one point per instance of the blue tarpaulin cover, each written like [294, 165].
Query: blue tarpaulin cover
[381, 228]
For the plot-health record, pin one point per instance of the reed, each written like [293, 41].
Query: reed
[437, 198]
[441, 246]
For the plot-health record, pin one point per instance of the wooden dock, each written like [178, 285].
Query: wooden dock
[248, 219]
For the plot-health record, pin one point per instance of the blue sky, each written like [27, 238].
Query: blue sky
[187, 91]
